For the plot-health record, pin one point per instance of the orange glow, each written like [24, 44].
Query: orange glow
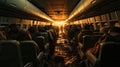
[61, 23]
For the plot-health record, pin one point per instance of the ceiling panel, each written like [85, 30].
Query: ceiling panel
[58, 10]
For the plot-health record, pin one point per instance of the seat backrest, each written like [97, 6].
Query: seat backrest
[50, 34]
[46, 36]
[40, 40]
[10, 54]
[109, 54]
[89, 41]
[29, 51]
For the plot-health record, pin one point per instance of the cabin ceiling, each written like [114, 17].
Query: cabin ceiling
[60, 10]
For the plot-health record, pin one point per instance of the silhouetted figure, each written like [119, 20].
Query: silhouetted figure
[86, 31]
[12, 32]
[113, 35]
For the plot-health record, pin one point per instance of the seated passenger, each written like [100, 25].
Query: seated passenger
[2, 36]
[104, 30]
[85, 31]
[23, 35]
[12, 32]
[112, 36]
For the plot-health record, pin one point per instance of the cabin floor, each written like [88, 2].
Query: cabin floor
[64, 49]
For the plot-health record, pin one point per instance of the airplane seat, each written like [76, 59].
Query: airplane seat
[89, 41]
[83, 33]
[50, 35]
[109, 54]
[53, 32]
[50, 46]
[40, 40]
[10, 54]
[29, 52]
[45, 35]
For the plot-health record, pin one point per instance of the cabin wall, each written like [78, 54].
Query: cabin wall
[99, 21]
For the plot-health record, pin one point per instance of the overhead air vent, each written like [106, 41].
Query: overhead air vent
[58, 11]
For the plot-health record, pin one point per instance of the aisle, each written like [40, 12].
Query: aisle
[64, 49]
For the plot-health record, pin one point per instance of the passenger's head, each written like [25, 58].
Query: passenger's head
[23, 35]
[32, 30]
[87, 27]
[13, 28]
[114, 31]
[104, 30]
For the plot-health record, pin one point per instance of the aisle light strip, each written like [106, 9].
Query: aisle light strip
[82, 6]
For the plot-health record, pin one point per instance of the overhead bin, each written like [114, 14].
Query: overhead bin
[81, 7]
[26, 6]
[2, 1]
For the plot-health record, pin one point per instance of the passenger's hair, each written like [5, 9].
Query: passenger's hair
[13, 28]
[23, 35]
[87, 27]
[115, 29]
[104, 29]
